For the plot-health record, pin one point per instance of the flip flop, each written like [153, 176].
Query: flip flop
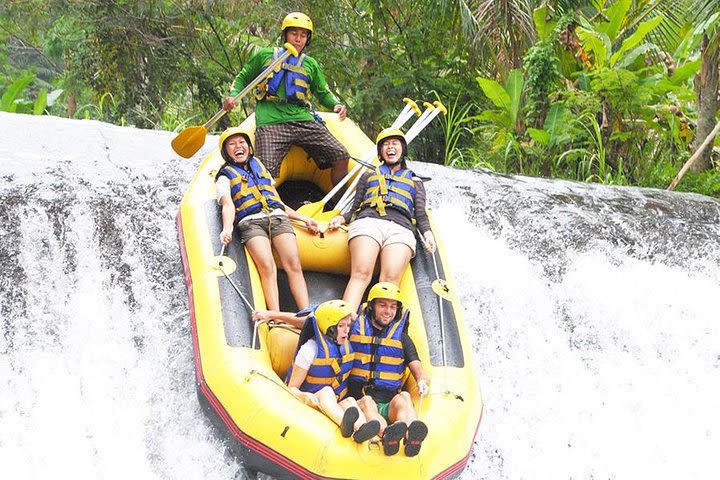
[348, 421]
[366, 431]
[416, 433]
[392, 436]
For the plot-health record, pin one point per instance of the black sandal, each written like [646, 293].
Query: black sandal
[392, 436]
[348, 421]
[366, 431]
[416, 433]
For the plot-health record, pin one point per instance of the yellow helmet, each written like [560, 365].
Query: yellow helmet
[329, 313]
[391, 133]
[299, 20]
[232, 131]
[385, 290]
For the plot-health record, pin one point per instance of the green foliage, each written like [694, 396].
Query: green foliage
[544, 22]
[454, 127]
[590, 93]
[14, 99]
[541, 75]
[502, 122]
[662, 173]
[11, 98]
[629, 49]
[506, 99]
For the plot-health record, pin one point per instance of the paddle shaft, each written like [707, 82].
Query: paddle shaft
[191, 139]
[244, 299]
[429, 113]
[415, 131]
[264, 74]
[419, 123]
[401, 119]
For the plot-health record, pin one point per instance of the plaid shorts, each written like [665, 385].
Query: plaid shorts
[272, 143]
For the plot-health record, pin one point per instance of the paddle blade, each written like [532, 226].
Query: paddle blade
[311, 209]
[189, 141]
[441, 288]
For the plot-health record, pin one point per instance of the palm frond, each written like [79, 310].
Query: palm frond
[668, 34]
[704, 9]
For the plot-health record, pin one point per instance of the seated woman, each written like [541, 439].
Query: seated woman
[319, 375]
[386, 202]
[251, 205]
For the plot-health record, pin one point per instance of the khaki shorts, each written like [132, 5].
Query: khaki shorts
[268, 227]
[384, 232]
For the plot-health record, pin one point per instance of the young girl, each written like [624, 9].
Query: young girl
[321, 368]
[387, 203]
[251, 205]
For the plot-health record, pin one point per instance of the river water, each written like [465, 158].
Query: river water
[592, 310]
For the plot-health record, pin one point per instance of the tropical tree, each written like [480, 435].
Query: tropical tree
[707, 12]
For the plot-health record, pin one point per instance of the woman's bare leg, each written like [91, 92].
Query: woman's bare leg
[287, 248]
[394, 260]
[261, 253]
[363, 255]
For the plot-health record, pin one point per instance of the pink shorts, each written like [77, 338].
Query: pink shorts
[384, 232]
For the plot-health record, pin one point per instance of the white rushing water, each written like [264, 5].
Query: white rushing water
[592, 313]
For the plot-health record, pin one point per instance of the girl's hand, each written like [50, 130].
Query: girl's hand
[336, 222]
[423, 387]
[429, 242]
[226, 236]
[311, 225]
[309, 399]
[261, 316]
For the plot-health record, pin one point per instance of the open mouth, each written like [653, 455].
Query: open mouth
[391, 154]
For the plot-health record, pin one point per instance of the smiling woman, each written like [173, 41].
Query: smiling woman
[252, 206]
[389, 204]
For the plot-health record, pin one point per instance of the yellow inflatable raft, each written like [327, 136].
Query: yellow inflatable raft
[242, 388]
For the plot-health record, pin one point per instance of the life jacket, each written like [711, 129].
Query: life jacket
[296, 78]
[250, 189]
[379, 360]
[331, 366]
[388, 189]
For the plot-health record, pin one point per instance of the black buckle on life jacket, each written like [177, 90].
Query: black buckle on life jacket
[368, 389]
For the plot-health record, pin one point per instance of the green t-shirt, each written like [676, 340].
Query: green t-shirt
[268, 112]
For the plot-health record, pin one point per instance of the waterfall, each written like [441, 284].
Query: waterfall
[592, 311]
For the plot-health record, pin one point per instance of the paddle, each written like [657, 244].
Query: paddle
[431, 111]
[312, 209]
[189, 141]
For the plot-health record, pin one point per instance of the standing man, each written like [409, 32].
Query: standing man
[383, 349]
[284, 115]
